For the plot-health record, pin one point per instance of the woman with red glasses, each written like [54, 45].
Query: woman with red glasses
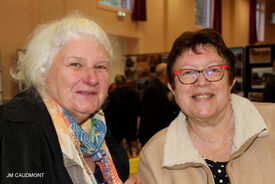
[218, 137]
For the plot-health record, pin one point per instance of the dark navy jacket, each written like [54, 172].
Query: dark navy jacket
[29, 147]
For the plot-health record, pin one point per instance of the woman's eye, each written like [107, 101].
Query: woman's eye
[75, 64]
[214, 71]
[187, 73]
[102, 67]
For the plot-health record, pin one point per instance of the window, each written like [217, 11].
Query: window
[260, 19]
[124, 4]
[203, 13]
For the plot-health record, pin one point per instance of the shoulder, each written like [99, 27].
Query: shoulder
[267, 110]
[20, 123]
[155, 145]
[23, 115]
[264, 106]
[151, 156]
[23, 107]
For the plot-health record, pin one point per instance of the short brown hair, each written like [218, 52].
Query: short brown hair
[191, 40]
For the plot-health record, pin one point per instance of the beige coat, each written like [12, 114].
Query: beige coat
[171, 158]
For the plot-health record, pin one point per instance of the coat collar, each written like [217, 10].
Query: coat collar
[179, 149]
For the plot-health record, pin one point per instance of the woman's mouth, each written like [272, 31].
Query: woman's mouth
[87, 92]
[202, 96]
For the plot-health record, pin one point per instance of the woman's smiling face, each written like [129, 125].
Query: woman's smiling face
[78, 77]
[202, 100]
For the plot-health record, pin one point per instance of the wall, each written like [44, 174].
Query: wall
[235, 27]
[269, 28]
[166, 19]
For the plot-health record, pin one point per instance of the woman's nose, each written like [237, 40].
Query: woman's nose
[90, 77]
[201, 80]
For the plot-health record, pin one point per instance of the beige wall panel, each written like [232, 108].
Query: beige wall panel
[15, 19]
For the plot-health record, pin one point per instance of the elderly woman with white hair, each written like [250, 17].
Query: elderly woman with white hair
[53, 131]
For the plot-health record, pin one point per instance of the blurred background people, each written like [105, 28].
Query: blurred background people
[55, 128]
[218, 137]
[269, 90]
[158, 107]
[122, 111]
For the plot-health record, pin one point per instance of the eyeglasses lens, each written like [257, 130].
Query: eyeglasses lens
[213, 73]
[188, 76]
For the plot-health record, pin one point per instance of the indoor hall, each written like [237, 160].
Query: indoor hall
[142, 34]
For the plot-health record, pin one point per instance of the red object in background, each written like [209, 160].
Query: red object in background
[139, 10]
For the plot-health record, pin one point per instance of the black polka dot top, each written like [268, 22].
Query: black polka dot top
[218, 171]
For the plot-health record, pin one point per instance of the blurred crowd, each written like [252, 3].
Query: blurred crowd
[134, 116]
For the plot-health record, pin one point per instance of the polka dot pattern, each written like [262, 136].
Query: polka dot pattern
[218, 171]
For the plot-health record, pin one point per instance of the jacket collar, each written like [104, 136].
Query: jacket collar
[179, 149]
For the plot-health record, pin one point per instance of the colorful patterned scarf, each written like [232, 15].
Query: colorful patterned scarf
[88, 139]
